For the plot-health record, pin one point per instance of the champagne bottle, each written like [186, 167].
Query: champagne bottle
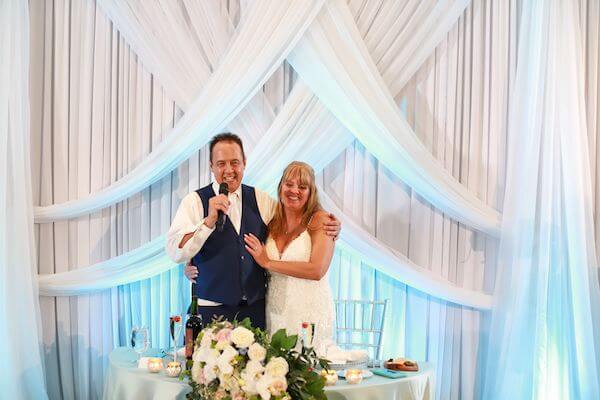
[193, 326]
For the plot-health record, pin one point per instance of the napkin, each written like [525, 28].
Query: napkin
[339, 356]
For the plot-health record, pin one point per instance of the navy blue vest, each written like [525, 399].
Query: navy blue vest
[227, 273]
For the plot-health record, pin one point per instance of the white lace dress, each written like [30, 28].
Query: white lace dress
[291, 301]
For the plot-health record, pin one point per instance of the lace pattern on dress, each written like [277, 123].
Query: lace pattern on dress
[291, 301]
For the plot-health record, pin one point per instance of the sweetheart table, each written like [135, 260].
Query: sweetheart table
[125, 381]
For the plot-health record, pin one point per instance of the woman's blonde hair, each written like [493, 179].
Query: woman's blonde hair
[306, 176]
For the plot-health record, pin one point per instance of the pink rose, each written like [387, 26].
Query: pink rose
[238, 396]
[220, 394]
[201, 378]
[224, 335]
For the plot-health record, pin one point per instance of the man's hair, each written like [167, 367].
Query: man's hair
[226, 137]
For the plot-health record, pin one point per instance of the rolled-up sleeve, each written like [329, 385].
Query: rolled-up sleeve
[266, 205]
[188, 219]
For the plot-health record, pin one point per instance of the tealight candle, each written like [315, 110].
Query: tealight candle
[353, 376]
[330, 376]
[155, 364]
[173, 369]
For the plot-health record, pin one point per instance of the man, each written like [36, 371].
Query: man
[230, 283]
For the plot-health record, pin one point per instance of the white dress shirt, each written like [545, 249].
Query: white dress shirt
[190, 218]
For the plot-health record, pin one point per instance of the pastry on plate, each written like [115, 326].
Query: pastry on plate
[401, 364]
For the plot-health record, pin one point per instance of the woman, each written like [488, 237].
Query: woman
[297, 254]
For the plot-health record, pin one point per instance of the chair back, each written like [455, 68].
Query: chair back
[360, 324]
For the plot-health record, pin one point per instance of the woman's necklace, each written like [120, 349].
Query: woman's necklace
[287, 238]
[294, 230]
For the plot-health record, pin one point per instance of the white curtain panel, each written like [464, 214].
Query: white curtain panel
[21, 362]
[83, 140]
[589, 22]
[456, 103]
[546, 312]
[356, 241]
[332, 59]
[202, 31]
[141, 263]
[259, 47]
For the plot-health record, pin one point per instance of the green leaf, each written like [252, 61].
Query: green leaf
[277, 340]
[290, 342]
[246, 323]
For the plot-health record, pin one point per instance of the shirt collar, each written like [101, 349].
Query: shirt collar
[238, 191]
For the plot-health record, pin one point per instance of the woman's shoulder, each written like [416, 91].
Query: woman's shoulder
[317, 220]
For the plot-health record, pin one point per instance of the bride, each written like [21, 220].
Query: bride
[297, 254]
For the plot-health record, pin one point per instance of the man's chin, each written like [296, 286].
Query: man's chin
[232, 186]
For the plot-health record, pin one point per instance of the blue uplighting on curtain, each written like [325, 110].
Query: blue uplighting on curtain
[544, 333]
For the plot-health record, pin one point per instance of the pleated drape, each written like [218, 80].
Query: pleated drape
[97, 111]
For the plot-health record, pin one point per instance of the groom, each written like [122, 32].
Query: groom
[229, 283]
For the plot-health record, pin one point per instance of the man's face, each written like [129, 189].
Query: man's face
[228, 164]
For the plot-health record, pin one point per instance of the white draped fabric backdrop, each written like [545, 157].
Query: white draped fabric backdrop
[401, 107]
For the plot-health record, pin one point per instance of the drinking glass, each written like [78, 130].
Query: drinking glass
[139, 341]
[175, 328]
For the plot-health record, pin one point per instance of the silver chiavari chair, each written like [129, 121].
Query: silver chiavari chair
[360, 325]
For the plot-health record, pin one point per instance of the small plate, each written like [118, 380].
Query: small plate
[365, 373]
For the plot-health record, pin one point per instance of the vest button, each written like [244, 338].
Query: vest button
[244, 298]
[242, 257]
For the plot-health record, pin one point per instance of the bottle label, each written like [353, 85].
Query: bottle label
[189, 342]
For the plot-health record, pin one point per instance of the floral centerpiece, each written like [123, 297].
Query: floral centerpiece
[235, 361]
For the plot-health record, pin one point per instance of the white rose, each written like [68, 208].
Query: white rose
[207, 355]
[225, 367]
[229, 352]
[196, 354]
[248, 383]
[207, 337]
[277, 386]
[209, 372]
[196, 372]
[242, 337]
[254, 368]
[224, 360]
[228, 382]
[221, 345]
[277, 366]
[256, 352]
[262, 387]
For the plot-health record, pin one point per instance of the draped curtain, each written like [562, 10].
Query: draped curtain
[21, 369]
[547, 292]
[103, 100]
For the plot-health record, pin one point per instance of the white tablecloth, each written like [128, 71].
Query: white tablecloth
[125, 381]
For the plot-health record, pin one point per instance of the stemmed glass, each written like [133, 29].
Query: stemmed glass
[175, 327]
[139, 341]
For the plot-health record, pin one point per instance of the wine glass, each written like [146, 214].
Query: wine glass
[139, 341]
[175, 327]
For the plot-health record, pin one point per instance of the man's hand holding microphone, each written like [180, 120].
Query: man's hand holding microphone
[218, 206]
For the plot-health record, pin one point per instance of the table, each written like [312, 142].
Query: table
[125, 381]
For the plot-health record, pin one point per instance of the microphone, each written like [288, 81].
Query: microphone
[223, 189]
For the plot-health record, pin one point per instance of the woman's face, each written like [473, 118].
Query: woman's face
[294, 194]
